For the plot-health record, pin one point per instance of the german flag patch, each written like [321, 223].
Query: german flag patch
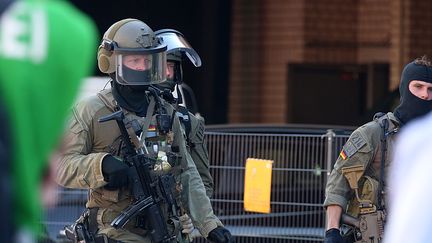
[351, 147]
[343, 155]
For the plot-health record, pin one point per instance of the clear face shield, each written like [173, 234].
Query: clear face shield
[176, 43]
[140, 66]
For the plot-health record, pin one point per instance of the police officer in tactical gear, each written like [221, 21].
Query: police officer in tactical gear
[356, 186]
[178, 49]
[93, 152]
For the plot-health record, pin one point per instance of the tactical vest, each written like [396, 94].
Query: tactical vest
[157, 144]
[194, 130]
[368, 187]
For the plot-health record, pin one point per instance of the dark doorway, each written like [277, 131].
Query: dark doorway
[335, 94]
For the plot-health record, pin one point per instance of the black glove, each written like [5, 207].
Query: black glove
[333, 236]
[220, 235]
[115, 172]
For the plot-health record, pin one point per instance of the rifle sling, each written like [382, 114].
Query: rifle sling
[384, 125]
[149, 116]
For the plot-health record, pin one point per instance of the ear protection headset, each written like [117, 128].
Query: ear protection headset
[105, 57]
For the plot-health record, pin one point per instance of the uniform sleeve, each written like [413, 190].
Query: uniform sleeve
[78, 167]
[199, 154]
[193, 194]
[356, 151]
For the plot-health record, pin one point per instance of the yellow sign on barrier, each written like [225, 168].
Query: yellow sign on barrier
[257, 185]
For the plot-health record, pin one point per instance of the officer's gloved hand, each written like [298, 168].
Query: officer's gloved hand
[188, 227]
[333, 236]
[186, 223]
[115, 172]
[220, 235]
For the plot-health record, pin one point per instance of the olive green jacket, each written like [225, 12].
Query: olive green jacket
[362, 148]
[198, 150]
[87, 142]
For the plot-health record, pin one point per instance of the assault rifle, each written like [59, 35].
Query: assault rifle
[147, 188]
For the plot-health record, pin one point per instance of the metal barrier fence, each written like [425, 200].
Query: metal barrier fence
[300, 168]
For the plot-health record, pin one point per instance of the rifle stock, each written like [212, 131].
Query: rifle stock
[350, 220]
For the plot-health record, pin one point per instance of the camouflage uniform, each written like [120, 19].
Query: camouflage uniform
[88, 142]
[362, 148]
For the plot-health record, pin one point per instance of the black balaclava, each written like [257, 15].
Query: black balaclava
[168, 84]
[130, 97]
[411, 106]
[131, 74]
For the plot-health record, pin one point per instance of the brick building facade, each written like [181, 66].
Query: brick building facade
[315, 61]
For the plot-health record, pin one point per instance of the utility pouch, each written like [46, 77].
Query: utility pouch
[368, 192]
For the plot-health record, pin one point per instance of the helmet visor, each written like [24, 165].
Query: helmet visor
[140, 68]
[177, 43]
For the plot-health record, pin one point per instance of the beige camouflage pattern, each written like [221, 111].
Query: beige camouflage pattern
[87, 142]
[364, 148]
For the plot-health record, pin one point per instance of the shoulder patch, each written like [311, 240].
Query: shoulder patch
[358, 141]
[351, 147]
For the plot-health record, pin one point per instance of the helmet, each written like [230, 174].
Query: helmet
[130, 49]
[178, 48]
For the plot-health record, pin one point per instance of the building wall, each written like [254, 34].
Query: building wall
[245, 71]
[269, 35]
[420, 26]
[286, 47]
[411, 35]
[330, 31]
[373, 31]
[266, 35]
[399, 40]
